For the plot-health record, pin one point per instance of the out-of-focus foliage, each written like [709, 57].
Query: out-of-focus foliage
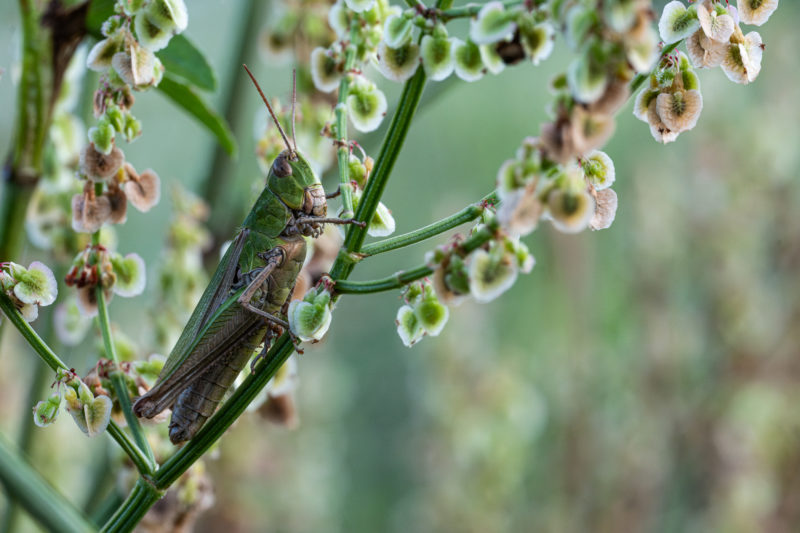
[645, 378]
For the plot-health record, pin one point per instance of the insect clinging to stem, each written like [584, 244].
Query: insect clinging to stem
[247, 298]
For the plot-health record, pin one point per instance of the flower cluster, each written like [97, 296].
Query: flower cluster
[96, 266]
[28, 288]
[126, 57]
[90, 409]
[422, 314]
[573, 197]
[714, 37]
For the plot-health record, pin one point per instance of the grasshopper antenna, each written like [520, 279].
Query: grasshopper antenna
[271, 112]
[294, 106]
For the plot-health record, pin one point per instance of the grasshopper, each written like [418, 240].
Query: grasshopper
[246, 301]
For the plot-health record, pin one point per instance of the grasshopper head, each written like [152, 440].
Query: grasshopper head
[293, 181]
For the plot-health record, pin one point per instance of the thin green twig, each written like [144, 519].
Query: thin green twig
[33, 338]
[343, 150]
[469, 213]
[118, 380]
[404, 277]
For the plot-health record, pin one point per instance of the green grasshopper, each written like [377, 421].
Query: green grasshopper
[246, 301]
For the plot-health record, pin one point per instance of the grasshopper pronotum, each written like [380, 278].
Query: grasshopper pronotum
[246, 301]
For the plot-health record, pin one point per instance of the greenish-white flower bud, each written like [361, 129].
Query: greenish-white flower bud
[150, 33]
[102, 136]
[360, 6]
[102, 53]
[130, 271]
[337, 19]
[431, 314]
[491, 273]
[536, 39]
[93, 416]
[397, 30]
[325, 70]
[366, 105]
[35, 285]
[492, 24]
[599, 169]
[408, 326]
[45, 412]
[437, 57]
[400, 63]
[677, 22]
[468, 61]
[168, 14]
[491, 59]
[310, 318]
[570, 211]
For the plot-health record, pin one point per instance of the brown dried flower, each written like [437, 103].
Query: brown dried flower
[98, 166]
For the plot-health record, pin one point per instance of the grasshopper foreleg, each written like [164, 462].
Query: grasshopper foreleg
[274, 259]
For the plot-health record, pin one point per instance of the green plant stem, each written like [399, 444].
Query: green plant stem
[392, 144]
[56, 364]
[176, 465]
[118, 379]
[404, 277]
[25, 329]
[469, 213]
[135, 506]
[343, 150]
[136, 455]
[45, 504]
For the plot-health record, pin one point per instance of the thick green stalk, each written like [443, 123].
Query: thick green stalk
[118, 380]
[145, 494]
[392, 144]
[469, 213]
[343, 150]
[39, 498]
[141, 498]
[404, 277]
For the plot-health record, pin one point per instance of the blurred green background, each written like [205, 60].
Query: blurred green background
[641, 378]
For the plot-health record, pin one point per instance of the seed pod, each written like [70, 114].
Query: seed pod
[437, 56]
[491, 273]
[100, 56]
[325, 70]
[468, 60]
[119, 204]
[590, 130]
[605, 209]
[756, 13]
[492, 24]
[536, 39]
[742, 61]
[98, 166]
[570, 211]
[130, 274]
[397, 30]
[143, 190]
[35, 284]
[679, 110]
[598, 168]
[408, 326]
[398, 64]
[718, 25]
[366, 105]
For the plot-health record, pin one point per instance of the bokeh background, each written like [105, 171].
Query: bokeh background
[641, 378]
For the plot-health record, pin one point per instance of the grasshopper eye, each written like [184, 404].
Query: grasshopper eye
[281, 167]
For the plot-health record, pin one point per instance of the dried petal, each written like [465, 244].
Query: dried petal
[520, 211]
[680, 110]
[660, 132]
[704, 52]
[590, 130]
[143, 191]
[717, 27]
[570, 211]
[119, 204]
[742, 62]
[756, 12]
[98, 166]
[490, 275]
[605, 209]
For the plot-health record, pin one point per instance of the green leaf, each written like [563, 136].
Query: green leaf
[99, 11]
[182, 58]
[186, 98]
